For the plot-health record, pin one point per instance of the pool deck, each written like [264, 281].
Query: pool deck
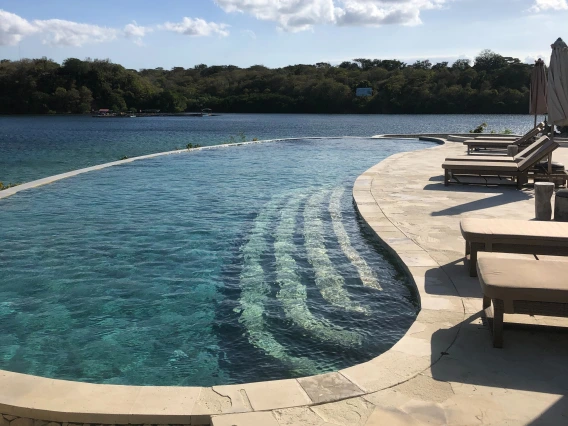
[444, 371]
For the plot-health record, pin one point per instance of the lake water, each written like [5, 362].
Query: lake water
[32, 147]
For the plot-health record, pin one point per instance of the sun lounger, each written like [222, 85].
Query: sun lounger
[503, 144]
[500, 169]
[482, 136]
[517, 158]
[512, 236]
[529, 287]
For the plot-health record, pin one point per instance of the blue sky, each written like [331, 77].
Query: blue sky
[167, 33]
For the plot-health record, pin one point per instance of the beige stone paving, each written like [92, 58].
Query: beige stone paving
[444, 371]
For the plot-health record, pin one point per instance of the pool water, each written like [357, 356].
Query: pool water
[225, 265]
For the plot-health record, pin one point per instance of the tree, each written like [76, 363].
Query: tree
[461, 64]
[494, 84]
[422, 65]
[488, 60]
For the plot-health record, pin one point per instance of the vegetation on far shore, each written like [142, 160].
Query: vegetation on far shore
[492, 84]
[6, 186]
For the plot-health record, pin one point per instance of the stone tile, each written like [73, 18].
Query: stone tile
[75, 402]
[413, 346]
[274, 394]
[432, 280]
[368, 208]
[472, 410]
[382, 417]
[349, 412]
[425, 411]
[372, 376]
[218, 401]
[389, 398]
[388, 369]
[417, 259]
[445, 318]
[426, 388]
[440, 303]
[158, 405]
[297, 416]
[245, 419]
[329, 387]
[472, 305]
[395, 234]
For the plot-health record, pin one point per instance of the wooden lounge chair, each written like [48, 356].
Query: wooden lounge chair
[512, 236]
[473, 144]
[500, 169]
[529, 287]
[517, 158]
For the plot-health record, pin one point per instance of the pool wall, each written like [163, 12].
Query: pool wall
[27, 400]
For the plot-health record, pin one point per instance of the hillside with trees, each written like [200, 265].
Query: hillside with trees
[492, 84]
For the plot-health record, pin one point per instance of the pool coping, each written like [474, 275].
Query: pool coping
[52, 400]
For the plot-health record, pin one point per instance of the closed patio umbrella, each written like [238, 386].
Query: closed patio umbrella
[539, 83]
[557, 92]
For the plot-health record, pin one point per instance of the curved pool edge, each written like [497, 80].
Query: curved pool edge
[437, 324]
[25, 398]
[54, 178]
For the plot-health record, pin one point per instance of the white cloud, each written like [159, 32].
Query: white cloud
[540, 5]
[58, 32]
[299, 15]
[196, 27]
[13, 28]
[291, 15]
[136, 32]
[383, 12]
[249, 33]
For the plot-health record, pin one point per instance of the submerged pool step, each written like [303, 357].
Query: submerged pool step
[293, 293]
[366, 274]
[329, 282]
[255, 291]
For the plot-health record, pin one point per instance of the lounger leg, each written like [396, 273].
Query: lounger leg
[486, 302]
[467, 249]
[521, 180]
[498, 311]
[473, 248]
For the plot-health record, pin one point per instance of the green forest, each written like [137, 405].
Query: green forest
[491, 84]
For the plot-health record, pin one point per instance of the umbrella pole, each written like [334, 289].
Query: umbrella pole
[550, 155]
[535, 110]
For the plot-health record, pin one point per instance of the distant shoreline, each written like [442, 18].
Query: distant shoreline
[195, 114]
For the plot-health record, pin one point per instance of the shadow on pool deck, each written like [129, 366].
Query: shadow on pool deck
[532, 361]
[502, 195]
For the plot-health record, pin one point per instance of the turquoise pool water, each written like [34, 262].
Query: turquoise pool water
[219, 266]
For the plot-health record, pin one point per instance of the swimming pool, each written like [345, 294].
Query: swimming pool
[218, 266]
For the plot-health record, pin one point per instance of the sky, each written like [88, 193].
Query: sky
[182, 33]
